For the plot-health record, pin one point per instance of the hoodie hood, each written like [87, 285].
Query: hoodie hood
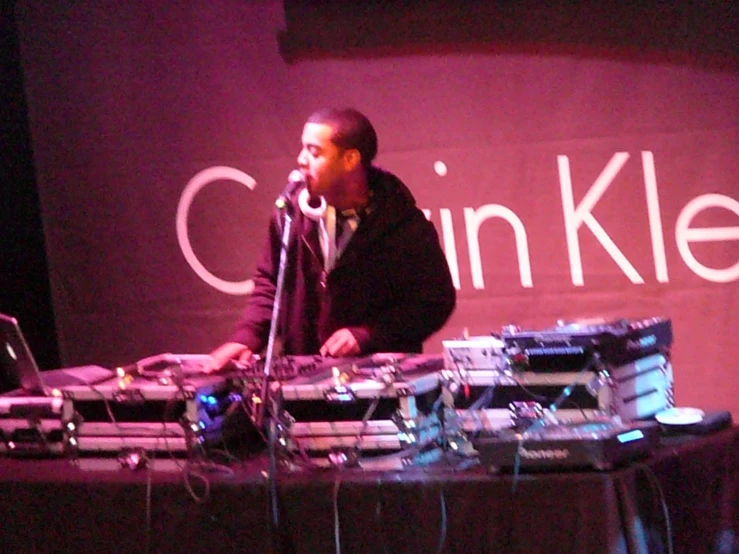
[391, 196]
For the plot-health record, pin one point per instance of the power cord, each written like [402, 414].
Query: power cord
[149, 469]
[337, 522]
[443, 524]
[660, 495]
[378, 516]
[365, 423]
[542, 398]
[272, 478]
[194, 471]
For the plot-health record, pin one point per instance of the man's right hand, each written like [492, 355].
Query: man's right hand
[225, 353]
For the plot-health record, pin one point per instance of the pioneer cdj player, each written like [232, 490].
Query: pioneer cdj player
[568, 347]
[598, 445]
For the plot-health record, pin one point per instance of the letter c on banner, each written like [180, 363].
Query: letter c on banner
[199, 181]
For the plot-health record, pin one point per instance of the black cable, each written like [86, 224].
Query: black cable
[553, 407]
[405, 453]
[567, 391]
[517, 464]
[252, 418]
[532, 394]
[337, 522]
[198, 463]
[443, 525]
[378, 517]
[543, 398]
[225, 417]
[304, 460]
[189, 476]
[580, 408]
[109, 410]
[147, 548]
[485, 398]
[213, 452]
[271, 418]
[365, 421]
[195, 468]
[272, 475]
[168, 409]
[657, 489]
[192, 469]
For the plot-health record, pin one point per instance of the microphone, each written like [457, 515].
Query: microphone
[294, 180]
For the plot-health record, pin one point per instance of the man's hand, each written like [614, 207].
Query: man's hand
[227, 352]
[341, 343]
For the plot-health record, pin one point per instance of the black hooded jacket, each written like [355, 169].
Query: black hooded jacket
[391, 286]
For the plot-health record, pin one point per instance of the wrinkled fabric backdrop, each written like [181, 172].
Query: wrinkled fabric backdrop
[577, 162]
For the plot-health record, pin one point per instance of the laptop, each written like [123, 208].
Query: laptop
[20, 375]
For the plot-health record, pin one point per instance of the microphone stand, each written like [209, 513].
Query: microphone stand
[265, 397]
[269, 354]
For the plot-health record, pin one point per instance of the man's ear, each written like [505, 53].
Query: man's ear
[352, 159]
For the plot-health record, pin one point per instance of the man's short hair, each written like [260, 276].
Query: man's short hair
[352, 130]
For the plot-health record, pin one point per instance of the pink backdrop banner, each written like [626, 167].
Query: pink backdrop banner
[565, 180]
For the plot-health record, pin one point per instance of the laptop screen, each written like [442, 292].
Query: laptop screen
[19, 369]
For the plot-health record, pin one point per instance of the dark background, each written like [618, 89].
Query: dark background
[25, 281]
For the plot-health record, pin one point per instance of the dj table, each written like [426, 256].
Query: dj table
[91, 506]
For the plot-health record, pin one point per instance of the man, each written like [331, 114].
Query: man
[365, 272]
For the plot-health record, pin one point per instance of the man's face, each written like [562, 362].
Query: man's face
[321, 161]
